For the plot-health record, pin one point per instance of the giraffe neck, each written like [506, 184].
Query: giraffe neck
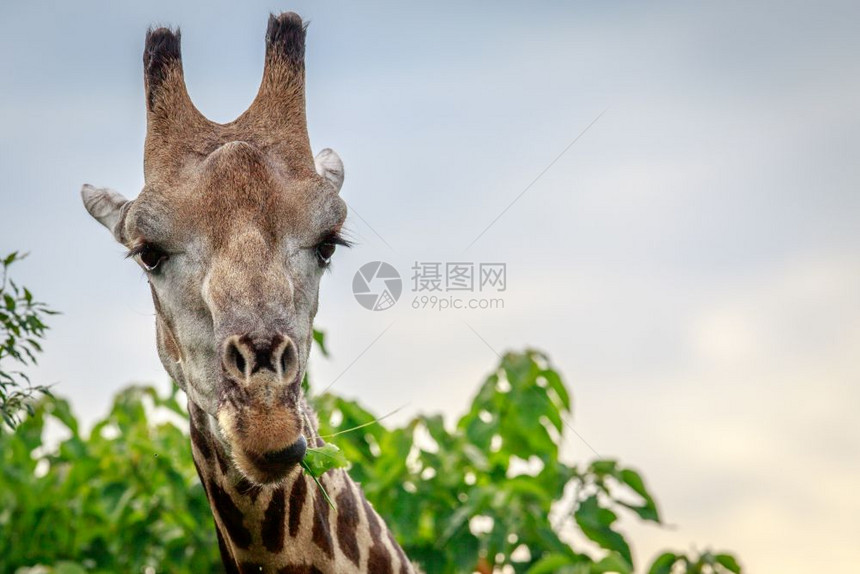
[288, 527]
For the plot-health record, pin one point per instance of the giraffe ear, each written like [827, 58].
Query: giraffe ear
[330, 166]
[106, 206]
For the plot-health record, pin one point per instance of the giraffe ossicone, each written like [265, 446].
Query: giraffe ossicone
[234, 227]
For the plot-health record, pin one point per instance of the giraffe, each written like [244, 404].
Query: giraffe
[234, 228]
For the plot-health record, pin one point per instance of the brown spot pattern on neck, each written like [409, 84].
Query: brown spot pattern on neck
[379, 560]
[230, 516]
[321, 532]
[297, 501]
[347, 523]
[272, 529]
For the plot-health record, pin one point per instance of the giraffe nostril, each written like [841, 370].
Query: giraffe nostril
[239, 360]
[289, 362]
[234, 360]
[285, 357]
[244, 356]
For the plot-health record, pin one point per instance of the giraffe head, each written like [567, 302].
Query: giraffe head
[234, 228]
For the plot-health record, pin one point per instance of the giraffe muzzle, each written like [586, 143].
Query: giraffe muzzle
[258, 410]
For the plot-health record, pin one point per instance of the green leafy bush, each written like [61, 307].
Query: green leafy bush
[121, 499]
[455, 498]
[486, 493]
[21, 330]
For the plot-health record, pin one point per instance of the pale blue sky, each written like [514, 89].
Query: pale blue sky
[691, 263]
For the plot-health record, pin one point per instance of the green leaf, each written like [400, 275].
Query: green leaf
[728, 562]
[633, 479]
[10, 258]
[645, 512]
[328, 500]
[551, 563]
[595, 522]
[612, 563]
[319, 339]
[604, 467]
[555, 383]
[319, 460]
[663, 563]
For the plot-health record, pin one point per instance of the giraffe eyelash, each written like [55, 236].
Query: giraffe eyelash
[336, 238]
[137, 250]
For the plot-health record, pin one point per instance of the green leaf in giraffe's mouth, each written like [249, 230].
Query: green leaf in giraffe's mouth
[319, 460]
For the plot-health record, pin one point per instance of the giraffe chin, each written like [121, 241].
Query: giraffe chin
[265, 444]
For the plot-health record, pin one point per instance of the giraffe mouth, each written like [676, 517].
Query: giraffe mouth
[277, 464]
[267, 466]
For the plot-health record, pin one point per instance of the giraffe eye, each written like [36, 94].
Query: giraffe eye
[325, 251]
[150, 257]
[327, 245]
